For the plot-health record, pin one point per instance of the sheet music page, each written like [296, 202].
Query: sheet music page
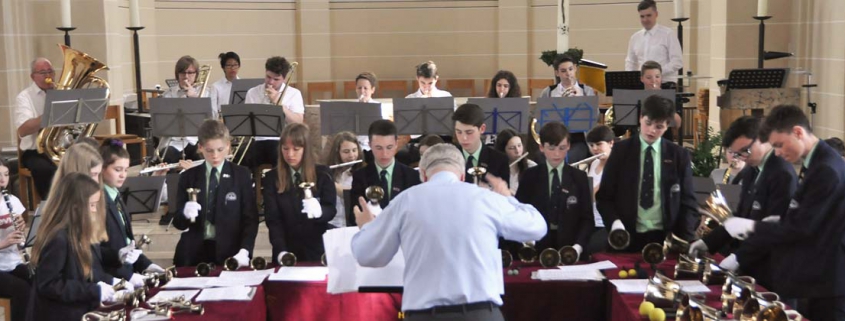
[163, 296]
[300, 273]
[188, 283]
[235, 293]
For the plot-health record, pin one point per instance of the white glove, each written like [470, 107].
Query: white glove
[739, 228]
[617, 225]
[579, 250]
[242, 257]
[730, 263]
[697, 247]
[106, 292]
[137, 280]
[129, 285]
[120, 295]
[375, 209]
[311, 206]
[128, 254]
[772, 219]
[191, 210]
[155, 268]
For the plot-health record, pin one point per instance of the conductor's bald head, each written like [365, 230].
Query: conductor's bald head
[442, 157]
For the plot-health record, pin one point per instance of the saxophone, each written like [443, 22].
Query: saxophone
[726, 178]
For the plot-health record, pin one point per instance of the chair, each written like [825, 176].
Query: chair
[6, 307]
[538, 85]
[487, 83]
[453, 85]
[113, 112]
[320, 87]
[392, 86]
[349, 86]
[26, 185]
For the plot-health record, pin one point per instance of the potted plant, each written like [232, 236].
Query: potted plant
[549, 56]
[705, 157]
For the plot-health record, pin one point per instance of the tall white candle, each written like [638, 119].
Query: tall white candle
[679, 9]
[762, 8]
[65, 7]
[563, 19]
[134, 13]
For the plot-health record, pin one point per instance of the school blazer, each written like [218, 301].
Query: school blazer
[403, 178]
[494, 161]
[117, 240]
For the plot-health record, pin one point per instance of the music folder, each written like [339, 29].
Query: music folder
[141, 194]
[504, 113]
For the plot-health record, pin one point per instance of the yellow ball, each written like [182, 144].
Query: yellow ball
[623, 274]
[646, 308]
[632, 273]
[657, 315]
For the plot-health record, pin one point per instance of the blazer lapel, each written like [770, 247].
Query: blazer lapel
[116, 215]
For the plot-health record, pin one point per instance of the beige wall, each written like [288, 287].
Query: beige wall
[334, 41]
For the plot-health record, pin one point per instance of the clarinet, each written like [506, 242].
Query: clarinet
[21, 245]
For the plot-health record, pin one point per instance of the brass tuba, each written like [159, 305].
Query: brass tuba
[77, 73]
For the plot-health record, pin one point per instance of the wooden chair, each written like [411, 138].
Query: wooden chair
[349, 89]
[536, 86]
[6, 307]
[395, 88]
[320, 87]
[26, 185]
[113, 112]
[453, 85]
[487, 83]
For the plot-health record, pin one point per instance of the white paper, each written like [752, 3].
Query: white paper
[693, 286]
[243, 280]
[300, 273]
[630, 286]
[235, 293]
[603, 265]
[163, 296]
[558, 275]
[188, 283]
[346, 275]
[245, 274]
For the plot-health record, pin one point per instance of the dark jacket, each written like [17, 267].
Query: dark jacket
[403, 178]
[494, 161]
[117, 240]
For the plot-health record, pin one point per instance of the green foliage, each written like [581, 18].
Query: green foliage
[549, 56]
[705, 158]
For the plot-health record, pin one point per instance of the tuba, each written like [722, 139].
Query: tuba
[77, 73]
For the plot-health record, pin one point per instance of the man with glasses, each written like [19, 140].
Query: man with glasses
[661, 200]
[231, 64]
[28, 109]
[768, 184]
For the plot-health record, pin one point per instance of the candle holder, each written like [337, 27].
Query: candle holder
[761, 51]
[681, 41]
[67, 31]
[136, 41]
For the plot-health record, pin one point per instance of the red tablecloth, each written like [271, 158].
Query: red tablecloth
[527, 299]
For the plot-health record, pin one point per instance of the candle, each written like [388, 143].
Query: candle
[679, 9]
[563, 26]
[134, 13]
[65, 7]
[762, 8]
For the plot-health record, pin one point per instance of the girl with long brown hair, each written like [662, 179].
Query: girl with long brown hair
[345, 148]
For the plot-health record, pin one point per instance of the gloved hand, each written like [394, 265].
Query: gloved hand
[772, 219]
[739, 228]
[311, 206]
[375, 209]
[106, 292]
[697, 248]
[578, 249]
[137, 280]
[120, 296]
[191, 210]
[242, 257]
[128, 254]
[155, 268]
[617, 225]
[128, 286]
[730, 263]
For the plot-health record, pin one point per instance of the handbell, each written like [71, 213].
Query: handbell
[713, 274]
[119, 315]
[619, 239]
[258, 263]
[654, 253]
[750, 304]
[675, 244]
[549, 258]
[689, 267]
[374, 194]
[692, 308]
[568, 255]
[776, 313]
[192, 195]
[204, 269]
[476, 172]
[527, 253]
[306, 189]
[735, 292]
[288, 259]
[507, 259]
[662, 293]
[143, 240]
[716, 212]
[231, 264]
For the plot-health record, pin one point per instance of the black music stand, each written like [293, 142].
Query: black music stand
[178, 117]
[757, 78]
[240, 87]
[627, 104]
[424, 116]
[504, 113]
[254, 120]
[579, 114]
[352, 116]
[141, 194]
[72, 107]
[33, 226]
[622, 80]
[701, 188]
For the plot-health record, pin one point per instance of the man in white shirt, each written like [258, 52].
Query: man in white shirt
[654, 42]
[449, 233]
[29, 106]
[265, 150]
[231, 64]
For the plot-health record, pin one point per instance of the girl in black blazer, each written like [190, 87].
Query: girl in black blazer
[71, 225]
[296, 217]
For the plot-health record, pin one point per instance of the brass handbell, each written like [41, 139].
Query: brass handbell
[527, 253]
[692, 308]
[374, 194]
[230, 264]
[476, 172]
[775, 312]
[662, 292]
[258, 263]
[204, 269]
[755, 305]
[690, 267]
[654, 253]
[138, 313]
[675, 244]
[713, 274]
[568, 255]
[155, 280]
[306, 189]
[143, 240]
[119, 315]
[288, 259]
[619, 239]
[735, 291]
[192, 195]
[549, 257]
[714, 214]
[507, 259]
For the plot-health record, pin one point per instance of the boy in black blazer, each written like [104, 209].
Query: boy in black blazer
[394, 177]
[469, 125]
[806, 244]
[223, 220]
[646, 187]
[561, 193]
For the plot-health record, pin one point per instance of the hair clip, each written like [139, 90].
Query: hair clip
[117, 143]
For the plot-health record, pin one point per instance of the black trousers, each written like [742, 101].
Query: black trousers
[823, 309]
[15, 285]
[42, 169]
[261, 152]
[596, 244]
[640, 240]
[173, 155]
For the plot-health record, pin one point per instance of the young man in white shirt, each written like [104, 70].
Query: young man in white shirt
[265, 150]
[566, 72]
[654, 42]
[29, 105]
[230, 62]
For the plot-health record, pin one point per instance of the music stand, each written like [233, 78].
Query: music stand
[504, 113]
[424, 116]
[352, 116]
[141, 194]
[701, 188]
[33, 226]
[254, 120]
[240, 87]
[757, 78]
[72, 107]
[579, 114]
[627, 104]
[622, 80]
[176, 117]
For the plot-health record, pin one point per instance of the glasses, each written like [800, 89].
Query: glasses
[232, 66]
[188, 73]
[743, 152]
[46, 72]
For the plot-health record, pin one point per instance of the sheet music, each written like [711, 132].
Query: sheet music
[188, 283]
[603, 265]
[346, 275]
[559, 275]
[693, 286]
[245, 274]
[235, 293]
[237, 280]
[300, 273]
[163, 296]
[630, 286]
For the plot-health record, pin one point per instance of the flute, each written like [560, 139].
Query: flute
[345, 164]
[587, 160]
[518, 159]
[170, 166]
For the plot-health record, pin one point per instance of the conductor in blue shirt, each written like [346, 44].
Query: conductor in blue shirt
[448, 231]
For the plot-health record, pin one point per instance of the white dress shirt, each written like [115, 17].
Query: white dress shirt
[292, 101]
[514, 178]
[434, 93]
[179, 143]
[448, 231]
[558, 91]
[29, 104]
[659, 44]
[223, 90]
[9, 257]
[596, 183]
[364, 140]
[345, 180]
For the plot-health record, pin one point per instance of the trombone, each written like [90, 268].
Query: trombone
[278, 102]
